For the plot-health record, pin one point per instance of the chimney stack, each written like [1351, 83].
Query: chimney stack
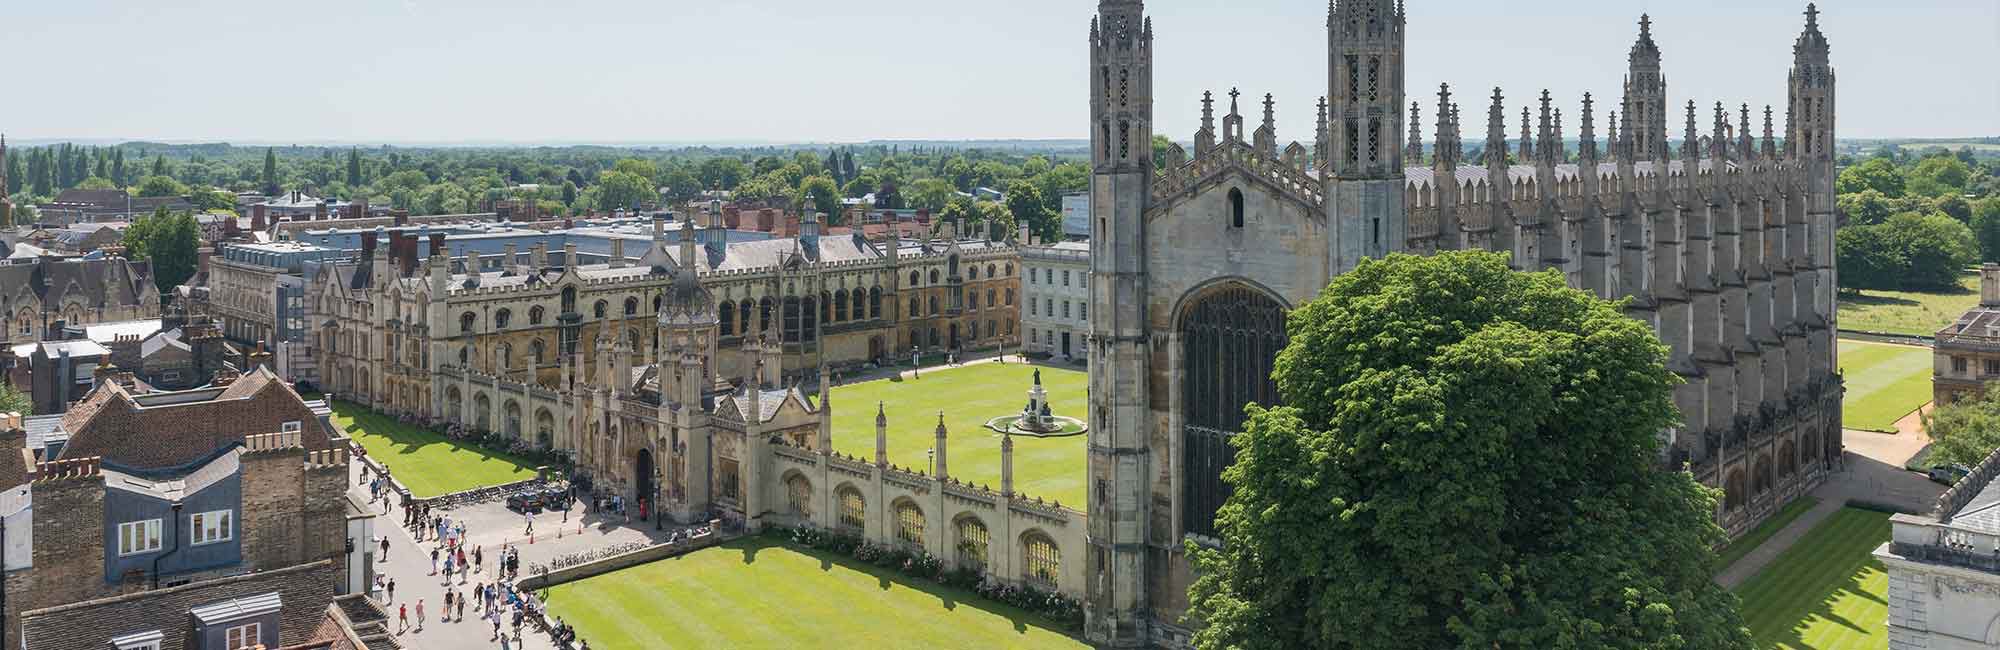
[618, 252]
[437, 243]
[401, 216]
[507, 263]
[367, 243]
[1989, 285]
[257, 221]
[319, 211]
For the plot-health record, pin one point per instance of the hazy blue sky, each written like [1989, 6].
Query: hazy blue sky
[814, 70]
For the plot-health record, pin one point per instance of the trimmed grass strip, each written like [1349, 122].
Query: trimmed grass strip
[1755, 538]
[427, 463]
[1826, 592]
[1884, 383]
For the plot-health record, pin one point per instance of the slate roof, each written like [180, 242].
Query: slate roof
[169, 429]
[306, 589]
[1982, 513]
[103, 282]
[769, 402]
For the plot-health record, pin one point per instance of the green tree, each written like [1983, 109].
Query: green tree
[167, 240]
[1468, 457]
[95, 183]
[1877, 174]
[1936, 246]
[159, 186]
[1868, 258]
[1024, 200]
[724, 173]
[354, 168]
[14, 401]
[443, 198]
[1937, 176]
[680, 183]
[270, 177]
[624, 190]
[1866, 207]
[568, 194]
[1986, 228]
[638, 167]
[212, 200]
[1965, 431]
[823, 197]
[1162, 146]
[931, 194]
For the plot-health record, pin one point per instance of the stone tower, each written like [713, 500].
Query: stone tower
[1121, 111]
[1646, 96]
[1810, 142]
[6, 205]
[1364, 175]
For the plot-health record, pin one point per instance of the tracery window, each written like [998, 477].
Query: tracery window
[909, 524]
[972, 543]
[1043, 565]
[1230, 340]
[853, 510]
[798, 495]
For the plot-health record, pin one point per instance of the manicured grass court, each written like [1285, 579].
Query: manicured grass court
[1050, 468]
[1751, 540]
[755, 593]
[1884, 383]
[427, 463]
[1826, 592]
[1907, 312]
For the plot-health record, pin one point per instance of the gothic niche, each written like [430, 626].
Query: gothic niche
[1230, 338]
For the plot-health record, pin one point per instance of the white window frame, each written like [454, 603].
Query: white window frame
[147, 536]
[293, 426]
[211, 527]
[243, 637]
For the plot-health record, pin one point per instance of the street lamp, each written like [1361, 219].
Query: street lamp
[656, 498]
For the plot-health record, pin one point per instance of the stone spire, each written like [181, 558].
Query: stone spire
[1496, 136]
[938, 449]
[1204, 139]
[1232, 123]
[1586, 145]
[1746, 144]
[1266, 138]
[1527, 155]
[1415, 152]
[1645, 105]
[1545, 135]
[1320, 141]
[1611, 142]
[1690, 141]
[1558, 147]
[1718, 144]
[881, 435]
[1810, 111]
[1770, 140]
[1444, 150]
[1006, 465]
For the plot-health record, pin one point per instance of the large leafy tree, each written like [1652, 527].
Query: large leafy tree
[1467, 457]
[1964, 432]
[168, 240]
[1877, 174]
[624, 190]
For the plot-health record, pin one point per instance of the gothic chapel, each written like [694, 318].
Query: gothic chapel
[1724, 244]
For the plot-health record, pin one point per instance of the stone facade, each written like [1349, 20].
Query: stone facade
[1725, 248]
[36, 296]
[1944, 571]
[1055, 308]
[1967, 352]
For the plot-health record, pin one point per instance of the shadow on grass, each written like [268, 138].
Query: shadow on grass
[1862, 299]
[1851, 555]
[949, 598]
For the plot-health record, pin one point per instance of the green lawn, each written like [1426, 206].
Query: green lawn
[1827, 591]
[1751, 540]
[1051, 468]
[427, 463]
[1907, 312]
[755, 593]
[1884, 383]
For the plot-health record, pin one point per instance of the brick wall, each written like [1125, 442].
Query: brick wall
[68, 550]
[273, 507]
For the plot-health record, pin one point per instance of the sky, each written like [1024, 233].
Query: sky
[787, 71]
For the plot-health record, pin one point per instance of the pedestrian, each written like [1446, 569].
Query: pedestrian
[434, 562]
[478, 558]
[461, 608]
[402, 616]
[420, 614]
[503, 643]
[447, 606]
[385, 548]
[531, 523]
[496, 624]
[392, 590]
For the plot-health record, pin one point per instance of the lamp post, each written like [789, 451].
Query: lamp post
[656, 498]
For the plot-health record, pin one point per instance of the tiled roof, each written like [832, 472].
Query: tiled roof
[95, 282]
[306, 589]
[176, 428]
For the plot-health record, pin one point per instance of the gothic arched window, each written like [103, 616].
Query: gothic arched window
[909, 524]
[598, 310]
[535, 315]
[501, 318]
[973, 541]
[631, 306]
[1043, 565]
[853, 510]
[1230, 340]
[1235, 207]
[465, 322]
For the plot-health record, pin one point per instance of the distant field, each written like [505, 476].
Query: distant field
[1907, 312]
[1884, 383]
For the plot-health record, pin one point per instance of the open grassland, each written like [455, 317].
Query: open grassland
[1913, 313]
[427, 463]
[1827, 592]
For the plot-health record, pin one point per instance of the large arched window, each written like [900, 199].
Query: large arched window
[1230, 339]
[875, 302]
[934, 276]
[916, 308]
[1042, 561]
[535, 314]
[1733, 491]
[839, 303]
[1235, 207]
[726, 317]
[631, 306]
[743, 310]
[598, 310]
[502, 318]
[569, 300]
[934, 305]
[798, 495]
[466, 321]
[538, 352]
[909, 524]
[853, 511]
[915, 279]
[972, 272]
[972, 543]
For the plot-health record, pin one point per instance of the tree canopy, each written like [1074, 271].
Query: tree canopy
[1909, 251]
[170, 241]
[1964, 432]
[1467, 457]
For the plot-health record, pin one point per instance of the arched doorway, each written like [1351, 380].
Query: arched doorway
[643, 478]
[954, 336]
[1230, 336]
